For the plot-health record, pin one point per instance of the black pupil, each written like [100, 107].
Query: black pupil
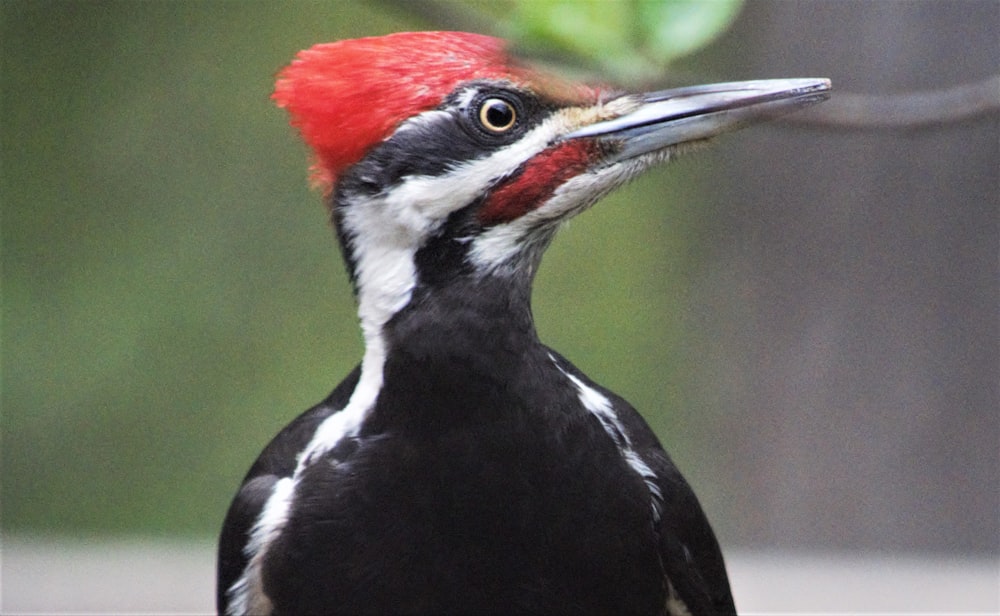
[499, 114]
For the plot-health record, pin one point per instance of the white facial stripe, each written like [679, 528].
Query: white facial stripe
[466, 181]
[387, 229]
[466, 96]
[497, 247]
[423, 119]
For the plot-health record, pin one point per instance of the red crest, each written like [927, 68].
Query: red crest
[347, 96]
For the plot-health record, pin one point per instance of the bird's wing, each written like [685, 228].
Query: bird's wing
[692, 561]
[691, 557]
[278, 459]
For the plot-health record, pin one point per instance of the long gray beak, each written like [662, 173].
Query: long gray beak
[671, 117]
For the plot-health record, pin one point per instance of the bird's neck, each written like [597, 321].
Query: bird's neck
[471, 334]
[469, 314]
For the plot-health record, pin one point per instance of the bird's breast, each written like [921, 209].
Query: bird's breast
[503, 516]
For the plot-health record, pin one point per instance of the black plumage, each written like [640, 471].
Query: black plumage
[479, 484]
[464, 467]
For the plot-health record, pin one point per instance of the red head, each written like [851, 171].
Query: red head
[346, 96]
[439, 143]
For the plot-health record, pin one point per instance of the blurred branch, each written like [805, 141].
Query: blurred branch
[904, 111]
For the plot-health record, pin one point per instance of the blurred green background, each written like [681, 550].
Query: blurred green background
[806, 317]
[172, 293]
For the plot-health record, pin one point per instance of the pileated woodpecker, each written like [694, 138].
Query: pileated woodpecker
[463, 466]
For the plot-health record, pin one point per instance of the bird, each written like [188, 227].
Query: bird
[464, 467]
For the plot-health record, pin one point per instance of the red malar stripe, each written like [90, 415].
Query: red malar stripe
[537, 181]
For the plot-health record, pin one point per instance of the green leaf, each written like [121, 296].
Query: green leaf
[675, 28]
[629, 39]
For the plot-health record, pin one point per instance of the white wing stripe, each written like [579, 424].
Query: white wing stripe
[598, 404]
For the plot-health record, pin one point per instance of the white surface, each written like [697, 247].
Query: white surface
[846, 583]
[174, 577]
[106, 577]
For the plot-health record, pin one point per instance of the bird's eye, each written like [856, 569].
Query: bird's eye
[497, 115]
